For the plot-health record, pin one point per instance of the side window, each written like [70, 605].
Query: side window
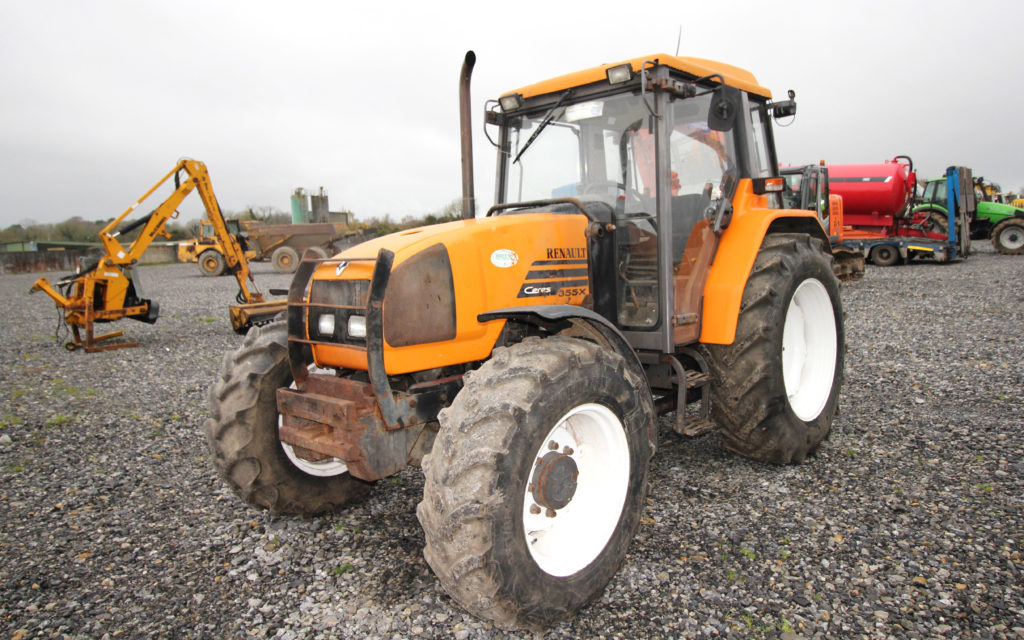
[761, 163]
[699, 159]
[699, 156]
[760, 159]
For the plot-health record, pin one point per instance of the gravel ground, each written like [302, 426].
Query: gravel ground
[907, 524]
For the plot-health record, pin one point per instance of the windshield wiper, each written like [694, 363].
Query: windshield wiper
[548, 117]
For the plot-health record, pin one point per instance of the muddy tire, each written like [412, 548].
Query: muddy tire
[776, 388]
[243, 440]
[938, 222]
[1008, 237]
[211, 263]
[493, 479]
[285, 259]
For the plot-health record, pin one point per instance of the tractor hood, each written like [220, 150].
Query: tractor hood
[423, 289]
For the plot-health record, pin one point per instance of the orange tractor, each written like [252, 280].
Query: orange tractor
[639, 262]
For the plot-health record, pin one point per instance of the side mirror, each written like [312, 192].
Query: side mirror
[725, 104]
[785, 108]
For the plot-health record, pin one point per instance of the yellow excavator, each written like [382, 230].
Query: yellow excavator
[109, 290]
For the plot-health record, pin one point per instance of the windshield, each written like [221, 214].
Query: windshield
[586, 150]
[791, 194]
[935, 192]
[604, 150]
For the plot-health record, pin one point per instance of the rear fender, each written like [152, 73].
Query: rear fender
[737, 250]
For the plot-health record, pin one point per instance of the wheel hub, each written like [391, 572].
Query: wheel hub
[554, 480]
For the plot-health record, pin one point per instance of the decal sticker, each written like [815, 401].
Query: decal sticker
[567, 253]
[504, 258]
[566, 288]
[341, 267]
[569, 264]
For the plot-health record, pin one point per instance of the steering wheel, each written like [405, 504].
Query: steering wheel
[603, 188]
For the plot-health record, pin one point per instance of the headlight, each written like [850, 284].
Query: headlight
[341, 299]
[356, 326]
[325, 324]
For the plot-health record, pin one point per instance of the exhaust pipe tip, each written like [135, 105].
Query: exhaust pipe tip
[466, 136]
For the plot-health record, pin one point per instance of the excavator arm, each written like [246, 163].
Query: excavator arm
[192, 175]
[234, 257]
[103, 294]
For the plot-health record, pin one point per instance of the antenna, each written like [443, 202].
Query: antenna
[679, 39]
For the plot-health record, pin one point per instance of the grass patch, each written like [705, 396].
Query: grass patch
[343, 569]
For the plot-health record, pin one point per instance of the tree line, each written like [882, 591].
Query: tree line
[78, 229]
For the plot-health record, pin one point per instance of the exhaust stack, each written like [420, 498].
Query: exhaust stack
[465, 130]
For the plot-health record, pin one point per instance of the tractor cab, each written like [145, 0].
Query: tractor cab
[651, 152]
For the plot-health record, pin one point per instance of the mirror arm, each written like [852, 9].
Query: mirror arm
[646, 84]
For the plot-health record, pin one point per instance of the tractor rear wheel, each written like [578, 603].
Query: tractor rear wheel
[211, 263]
[1008, 236]
[242, 434]
[536, 480]
[285, 259]
[938, 222]
[776, 387]
[885, 255]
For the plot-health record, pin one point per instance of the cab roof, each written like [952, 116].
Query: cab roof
[697, 67]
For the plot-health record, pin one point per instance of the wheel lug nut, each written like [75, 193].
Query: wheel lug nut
[534, 509]
[553, 445]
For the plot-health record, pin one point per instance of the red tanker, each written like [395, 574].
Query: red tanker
[881, 221]
[874, 195]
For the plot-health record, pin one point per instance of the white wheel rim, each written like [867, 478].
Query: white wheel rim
[1012, 237]
[568, 542]
[322, 469]
[809, 348]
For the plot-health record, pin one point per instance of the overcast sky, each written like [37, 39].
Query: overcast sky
[101, 98]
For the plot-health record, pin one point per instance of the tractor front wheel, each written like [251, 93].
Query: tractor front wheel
[776, 387]
[536, 481]
[242, 434]
[1008, 236]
